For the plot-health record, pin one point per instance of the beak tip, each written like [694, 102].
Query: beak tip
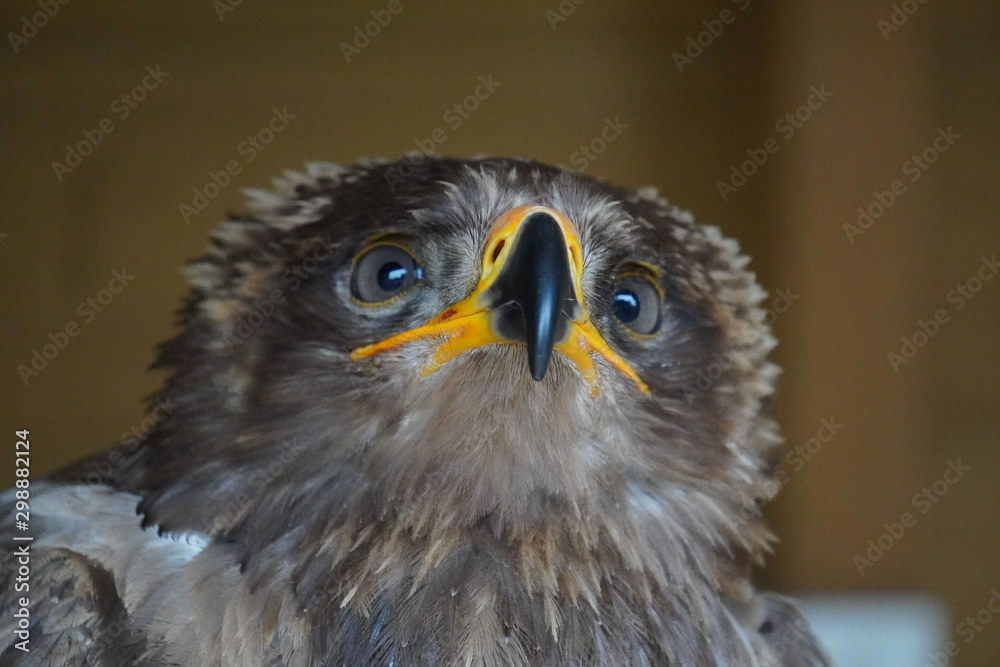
[537, 367]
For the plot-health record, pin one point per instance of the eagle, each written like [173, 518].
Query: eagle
[483, 412]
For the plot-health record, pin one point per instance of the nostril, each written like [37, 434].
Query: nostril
[497, 250]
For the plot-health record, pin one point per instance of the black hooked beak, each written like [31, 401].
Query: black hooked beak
[533, 297]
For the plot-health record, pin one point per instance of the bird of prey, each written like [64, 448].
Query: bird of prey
[442, 412]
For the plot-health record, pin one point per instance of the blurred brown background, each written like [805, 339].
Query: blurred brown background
[885, 82]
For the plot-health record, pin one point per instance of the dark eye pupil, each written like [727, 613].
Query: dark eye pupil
[384, 272]
[391, 276]
[626, 305]
[637, 304]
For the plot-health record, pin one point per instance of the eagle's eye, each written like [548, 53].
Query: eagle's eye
[384, 272]
[636, 303]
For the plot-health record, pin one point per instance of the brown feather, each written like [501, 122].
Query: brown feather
[364, 513]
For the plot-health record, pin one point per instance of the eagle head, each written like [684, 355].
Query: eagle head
[491, 393]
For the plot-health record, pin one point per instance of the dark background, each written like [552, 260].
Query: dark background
[683, 125]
